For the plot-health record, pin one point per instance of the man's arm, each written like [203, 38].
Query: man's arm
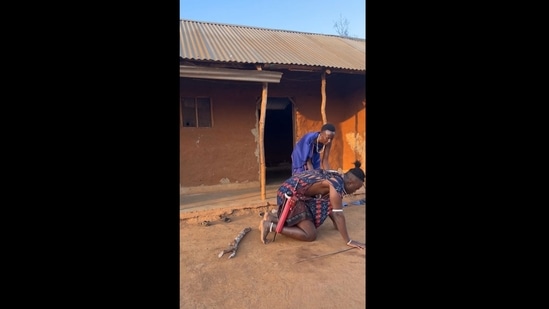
[325, 163]
[301, 153]
[309, 164]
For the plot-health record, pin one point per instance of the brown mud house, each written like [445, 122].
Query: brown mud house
[248, 94]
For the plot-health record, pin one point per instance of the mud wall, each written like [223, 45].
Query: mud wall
[227, 153]
[345, 108]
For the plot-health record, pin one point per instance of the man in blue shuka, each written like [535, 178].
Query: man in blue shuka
[307, 151]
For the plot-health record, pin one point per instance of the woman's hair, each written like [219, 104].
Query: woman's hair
[357, 171]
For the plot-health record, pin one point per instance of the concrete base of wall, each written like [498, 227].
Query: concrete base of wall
[233, 186]
[220, 187]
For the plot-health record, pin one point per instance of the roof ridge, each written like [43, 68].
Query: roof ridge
[268, 29]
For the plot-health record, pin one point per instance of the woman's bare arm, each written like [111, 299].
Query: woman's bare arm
[339, 218]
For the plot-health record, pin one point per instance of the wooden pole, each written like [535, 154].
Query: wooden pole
[323, 93]
[262, 171]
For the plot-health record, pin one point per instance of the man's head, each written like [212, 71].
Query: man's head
[327, 133]
[354, 178]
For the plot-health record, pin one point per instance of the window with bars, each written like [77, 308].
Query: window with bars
[196, 112]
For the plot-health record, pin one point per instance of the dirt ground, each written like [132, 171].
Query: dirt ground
[286, 273]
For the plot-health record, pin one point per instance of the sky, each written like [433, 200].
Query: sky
[314, 16]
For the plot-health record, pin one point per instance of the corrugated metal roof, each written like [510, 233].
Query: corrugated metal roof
[243, 44]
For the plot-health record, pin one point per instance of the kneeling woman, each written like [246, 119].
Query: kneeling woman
[317, 194]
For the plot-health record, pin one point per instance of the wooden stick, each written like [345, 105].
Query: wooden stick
[315, 257]
[233, 246]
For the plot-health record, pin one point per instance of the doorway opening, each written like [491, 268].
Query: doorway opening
[278, 139]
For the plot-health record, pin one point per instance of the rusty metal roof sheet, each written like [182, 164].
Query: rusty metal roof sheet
[244, 44]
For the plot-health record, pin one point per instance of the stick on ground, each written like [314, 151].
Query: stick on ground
[318, 256]
[233, 246]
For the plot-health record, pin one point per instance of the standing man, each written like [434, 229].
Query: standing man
[307, 151]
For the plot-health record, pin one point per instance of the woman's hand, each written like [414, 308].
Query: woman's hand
[356, 244]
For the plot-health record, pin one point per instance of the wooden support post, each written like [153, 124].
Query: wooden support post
[323, 93]
[262, 169]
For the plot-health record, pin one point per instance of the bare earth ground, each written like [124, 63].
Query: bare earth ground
[286, 273]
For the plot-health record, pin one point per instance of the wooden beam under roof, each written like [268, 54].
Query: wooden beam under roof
[230, 74]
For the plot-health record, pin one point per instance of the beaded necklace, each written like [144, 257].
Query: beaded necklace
[323, 146]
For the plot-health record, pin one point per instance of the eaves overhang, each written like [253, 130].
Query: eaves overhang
[230, 74]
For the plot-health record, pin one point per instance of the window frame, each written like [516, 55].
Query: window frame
[196, 109]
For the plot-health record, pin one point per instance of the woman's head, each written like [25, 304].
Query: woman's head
[354, 178]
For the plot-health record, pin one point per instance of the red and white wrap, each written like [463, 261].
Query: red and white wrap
[288, 205]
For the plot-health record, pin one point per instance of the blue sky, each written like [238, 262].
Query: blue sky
[315, 16]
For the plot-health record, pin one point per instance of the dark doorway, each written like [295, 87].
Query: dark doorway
[278, 139]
